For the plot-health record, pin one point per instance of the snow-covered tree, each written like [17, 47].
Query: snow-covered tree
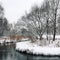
[36, 22]
[54, 7]
[3, 21]
[20, 26]
[40, 20]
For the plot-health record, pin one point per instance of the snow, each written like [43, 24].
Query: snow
[36, 49]
[51, 36]
[23, 39]
[6, 41]
[1, 41]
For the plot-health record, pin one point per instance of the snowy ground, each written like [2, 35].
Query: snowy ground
[6, 41]
[35, 48]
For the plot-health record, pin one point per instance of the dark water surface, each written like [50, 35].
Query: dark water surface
[9, 53]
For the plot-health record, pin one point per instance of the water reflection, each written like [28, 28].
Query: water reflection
[9, 53]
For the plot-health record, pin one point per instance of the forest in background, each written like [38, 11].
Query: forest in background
[41, 20]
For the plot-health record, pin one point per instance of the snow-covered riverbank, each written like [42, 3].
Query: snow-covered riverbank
[33, 48]
[6, 41]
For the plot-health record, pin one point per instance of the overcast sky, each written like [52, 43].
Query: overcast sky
[14, 9]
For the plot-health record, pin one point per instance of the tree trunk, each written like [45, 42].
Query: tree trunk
[54, 31]
[47, 29]
[41, 37]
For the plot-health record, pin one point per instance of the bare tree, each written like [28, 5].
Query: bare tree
[54, 8]
[46, 10]
[36, 22]
[51, 9]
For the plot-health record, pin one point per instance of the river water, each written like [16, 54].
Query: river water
[9, 53]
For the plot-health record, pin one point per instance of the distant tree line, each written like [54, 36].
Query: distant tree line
[3, 22]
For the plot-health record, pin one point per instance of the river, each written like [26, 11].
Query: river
[9, 53]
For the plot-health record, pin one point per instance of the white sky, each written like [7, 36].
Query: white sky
[14, 9]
